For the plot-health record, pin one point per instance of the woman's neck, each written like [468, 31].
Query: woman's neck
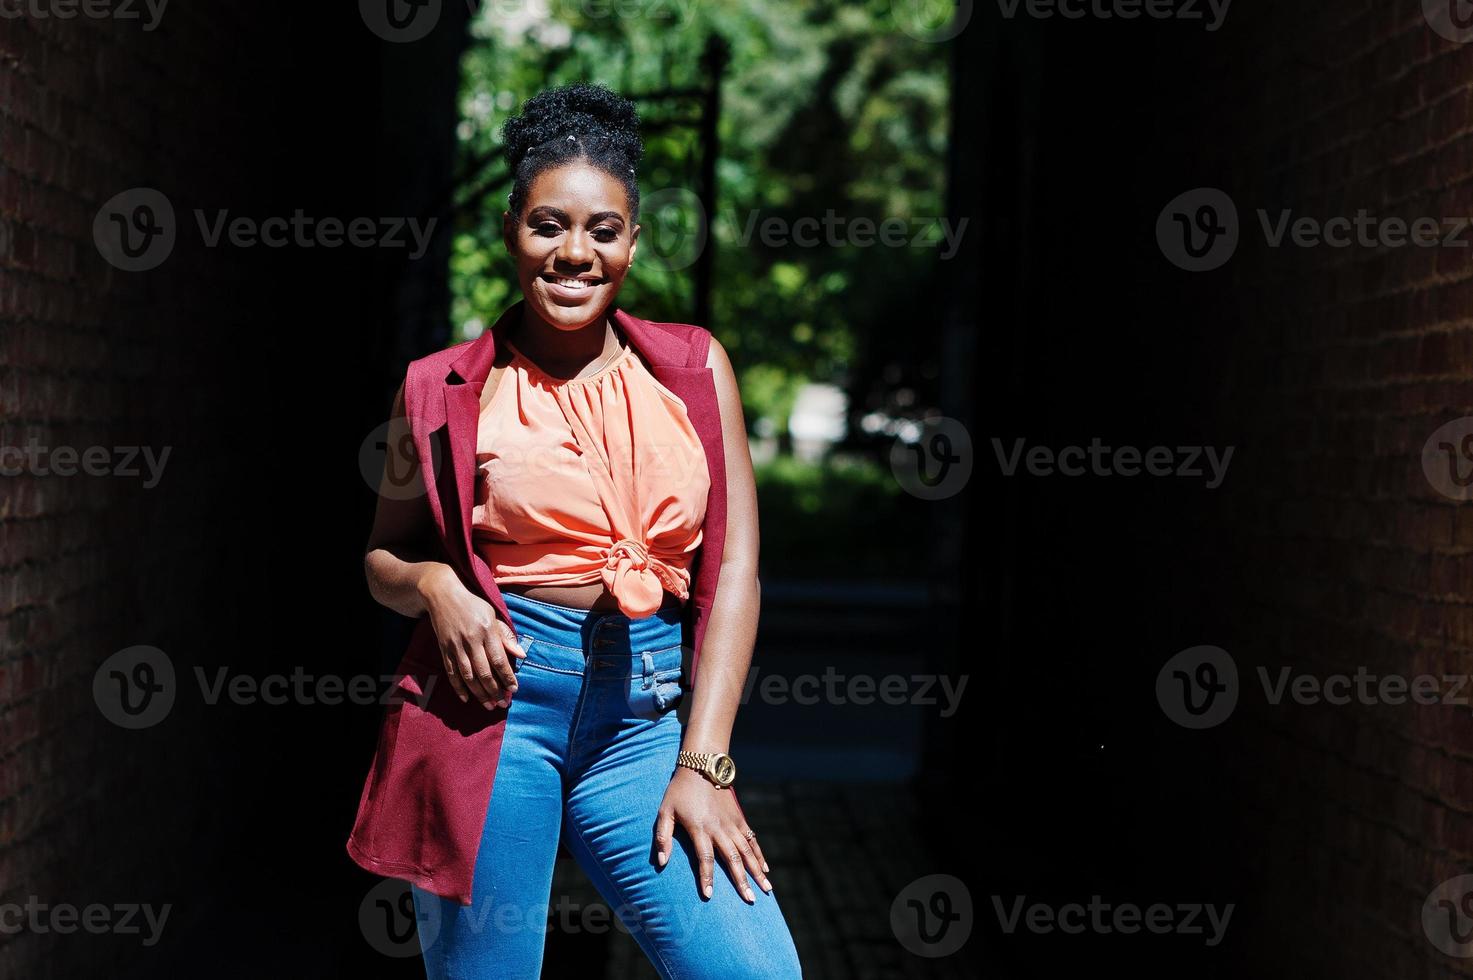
[565, 353]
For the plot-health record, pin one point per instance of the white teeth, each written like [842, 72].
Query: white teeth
[575, 283]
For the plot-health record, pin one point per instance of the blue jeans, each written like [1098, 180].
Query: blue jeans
[589, 748]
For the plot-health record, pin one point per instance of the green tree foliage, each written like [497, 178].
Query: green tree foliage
[830, 113]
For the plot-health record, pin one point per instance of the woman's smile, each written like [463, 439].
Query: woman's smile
[575, 289]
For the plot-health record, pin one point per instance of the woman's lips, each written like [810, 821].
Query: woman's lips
[555, 286]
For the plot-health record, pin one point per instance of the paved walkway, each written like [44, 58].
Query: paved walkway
[840, 854]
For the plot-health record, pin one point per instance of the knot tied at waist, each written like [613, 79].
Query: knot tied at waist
[638, 580]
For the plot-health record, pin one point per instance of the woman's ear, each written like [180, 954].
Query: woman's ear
[633, 243]
[508, 232]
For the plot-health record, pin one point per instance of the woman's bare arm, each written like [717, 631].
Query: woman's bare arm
[731, 631]
[717, 827]
[404, 575]
[397, 562]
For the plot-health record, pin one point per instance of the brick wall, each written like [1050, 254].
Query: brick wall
[260, 371]
[1337, 365]
[91, 356]
[1325, 550]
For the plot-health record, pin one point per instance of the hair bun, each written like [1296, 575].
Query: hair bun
[585, 113]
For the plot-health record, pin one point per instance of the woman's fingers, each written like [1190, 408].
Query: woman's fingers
[494, 644]
[664, 835]
[509, 639]
[757, 850]
[750, 857]
[733, 855]
[482, 680]
[705, 862]
[452, 671]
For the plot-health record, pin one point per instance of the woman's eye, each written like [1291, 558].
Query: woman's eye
[606, 234]
[547, 228]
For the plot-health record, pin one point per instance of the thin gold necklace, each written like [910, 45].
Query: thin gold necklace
[618, 349]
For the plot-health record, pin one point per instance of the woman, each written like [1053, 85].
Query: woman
[587, 484]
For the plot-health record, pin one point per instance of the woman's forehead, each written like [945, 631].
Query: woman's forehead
[578, 188]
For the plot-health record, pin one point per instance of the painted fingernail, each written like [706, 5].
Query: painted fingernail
[766, 885]
[747, 894]
[706, 891]
[766, 868]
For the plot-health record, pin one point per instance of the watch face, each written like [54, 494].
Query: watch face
[725, 769]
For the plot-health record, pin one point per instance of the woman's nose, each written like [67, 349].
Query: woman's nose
[576, 249]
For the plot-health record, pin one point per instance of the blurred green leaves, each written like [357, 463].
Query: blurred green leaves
[826, 108]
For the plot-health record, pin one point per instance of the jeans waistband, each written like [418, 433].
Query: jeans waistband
[593, 630]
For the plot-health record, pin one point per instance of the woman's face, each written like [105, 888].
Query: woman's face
[574, 226]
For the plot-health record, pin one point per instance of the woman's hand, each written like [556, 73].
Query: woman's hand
[473, 641]
[715, 824]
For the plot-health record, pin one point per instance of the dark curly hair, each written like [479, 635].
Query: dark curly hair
[581, 121]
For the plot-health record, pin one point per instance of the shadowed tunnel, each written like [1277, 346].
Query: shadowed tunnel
[1303, 524]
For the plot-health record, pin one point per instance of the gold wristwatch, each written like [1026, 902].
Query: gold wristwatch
[715, 766]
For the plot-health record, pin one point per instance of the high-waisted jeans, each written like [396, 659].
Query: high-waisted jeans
[590, 744]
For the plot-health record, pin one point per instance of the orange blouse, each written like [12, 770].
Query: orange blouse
[587, 479]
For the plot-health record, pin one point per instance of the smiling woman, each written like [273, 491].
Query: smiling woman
[599, 487]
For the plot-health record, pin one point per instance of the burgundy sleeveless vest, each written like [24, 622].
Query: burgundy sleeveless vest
[424, 802]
